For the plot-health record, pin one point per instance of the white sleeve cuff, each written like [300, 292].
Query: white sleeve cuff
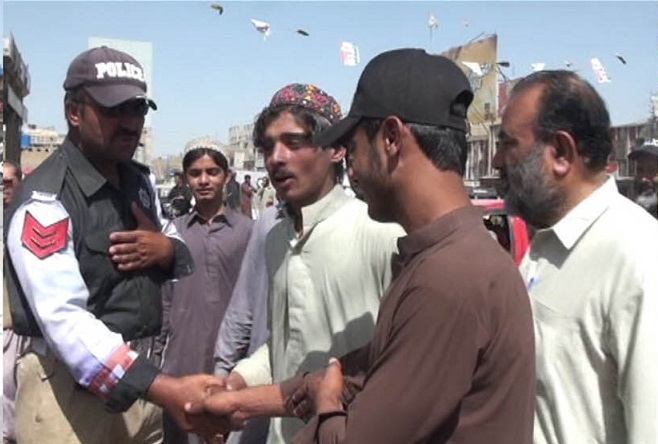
[256, 370]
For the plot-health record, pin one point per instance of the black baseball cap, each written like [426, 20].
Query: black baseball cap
[109, 76]
[411, 84]
[650, 147]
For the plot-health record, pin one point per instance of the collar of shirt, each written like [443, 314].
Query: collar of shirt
[434, 232]
[88, 177]
[574, 224]
[228, 217]
[318, 211]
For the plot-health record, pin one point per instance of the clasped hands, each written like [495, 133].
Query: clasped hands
[184, 397]
[222, 408]
[215, 414]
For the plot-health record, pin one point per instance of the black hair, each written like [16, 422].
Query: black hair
[18, 172]
[196, 153]
[446, 147]
[569, 103]
[77, 96]
[311, 121]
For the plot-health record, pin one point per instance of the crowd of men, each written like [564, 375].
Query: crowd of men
[393, 317]
[246, 198]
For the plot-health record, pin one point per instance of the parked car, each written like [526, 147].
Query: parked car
[482, 192]
[511, 231]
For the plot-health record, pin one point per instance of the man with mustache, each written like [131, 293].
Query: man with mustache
[86, 257]
[327, 262]
[645, 161]
[452, 357]
[591, 266]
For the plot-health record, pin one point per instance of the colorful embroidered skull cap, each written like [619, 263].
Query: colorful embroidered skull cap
[310, 97]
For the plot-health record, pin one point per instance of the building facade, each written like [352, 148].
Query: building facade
[16, 86]
[243, 155]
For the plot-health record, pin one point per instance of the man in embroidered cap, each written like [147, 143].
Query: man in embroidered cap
[451, 359]
[86, 255]
[327, 262]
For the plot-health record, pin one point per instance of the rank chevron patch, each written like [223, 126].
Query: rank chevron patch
[42, 240]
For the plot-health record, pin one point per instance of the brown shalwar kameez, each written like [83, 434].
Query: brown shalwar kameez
[452, 358]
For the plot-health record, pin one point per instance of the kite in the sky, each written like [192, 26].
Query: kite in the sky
[568, 64]
[465, 21]
[539, 66]
[349, 54]
[302, 32]
[219, 8]
[621, 58]
[432, 22]
[599, 71]
[262, 27]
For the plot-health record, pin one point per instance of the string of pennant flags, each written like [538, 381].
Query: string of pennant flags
[597, 66]
[349, 52]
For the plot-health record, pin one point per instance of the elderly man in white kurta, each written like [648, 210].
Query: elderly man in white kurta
[591, 270]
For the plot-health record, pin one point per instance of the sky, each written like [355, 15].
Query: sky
[212, 71]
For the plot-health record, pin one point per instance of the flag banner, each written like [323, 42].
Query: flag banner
[475, 67]
[599, 71]
[432, 22]
[349, 54]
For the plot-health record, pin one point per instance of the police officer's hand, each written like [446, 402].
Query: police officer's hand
[173, 394]
[141, 248]
[216, 414]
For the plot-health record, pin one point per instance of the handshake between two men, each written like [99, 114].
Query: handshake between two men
[212, 406]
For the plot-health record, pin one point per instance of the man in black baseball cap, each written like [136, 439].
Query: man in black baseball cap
[106, 104]
[109, 76]
[400, 83]
[86, 255]
[452, 356]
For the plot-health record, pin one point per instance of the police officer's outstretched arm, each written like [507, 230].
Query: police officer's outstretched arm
[49, 274]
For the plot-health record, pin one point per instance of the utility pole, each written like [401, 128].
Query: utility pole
[653, 117]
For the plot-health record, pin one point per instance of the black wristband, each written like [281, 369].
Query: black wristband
[324, 416]
[133, 385]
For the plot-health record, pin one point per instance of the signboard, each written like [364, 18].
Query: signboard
[478, 60]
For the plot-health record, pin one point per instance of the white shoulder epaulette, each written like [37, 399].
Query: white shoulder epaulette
[43, 197]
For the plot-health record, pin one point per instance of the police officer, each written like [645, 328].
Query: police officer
[85, 260]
